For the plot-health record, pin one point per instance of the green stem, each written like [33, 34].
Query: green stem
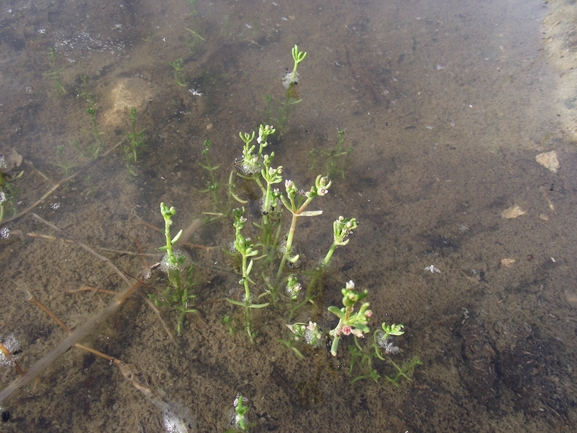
[329, 254]
[247, 300]
[288, 247]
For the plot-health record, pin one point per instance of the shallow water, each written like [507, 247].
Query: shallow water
[446, 106]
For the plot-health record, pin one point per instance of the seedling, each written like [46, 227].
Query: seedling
[56, 74]
[246, 249]
[302, 333]
[404, 370]
[212, 184]
[84, 91]
[94, 150]
[8, 191]
[179, 75]
[193, 11]
[292, 77]
[363, 356]
[227, 321]
[63, 162]
[193, 42]
[176, 296]
[338, 157]
[136, 143]
[278, 112]
[239, 421]
[8, 199]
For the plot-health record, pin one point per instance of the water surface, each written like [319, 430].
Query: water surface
[446, 105]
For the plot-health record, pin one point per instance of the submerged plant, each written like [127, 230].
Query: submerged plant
[239, 422]
[246, 250]
[304, 334]
[335, 159]
[193, 42]
[404, 370]
[363, 356]
[84, 91]
[63, 162]
[338, 157]
[136, 143]
[278, 112]
[94, 149]
[56, 74]
[256, 166]
[179, 75]
[8, 192]
[174, 263]
[291, 77]
[350, 322]
[296, 204]
[212, 184]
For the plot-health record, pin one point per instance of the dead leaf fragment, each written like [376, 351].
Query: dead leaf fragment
[548, 160]
[513, 212]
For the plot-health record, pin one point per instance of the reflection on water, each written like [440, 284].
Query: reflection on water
[464, 237]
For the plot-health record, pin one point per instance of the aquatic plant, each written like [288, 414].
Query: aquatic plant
[176, 296]
[194, 41]
[84, 92]
[56, 74]
[246, 250]
[404, 370]
[179, 75]
[212, 184]
[296, 205]
[335, 160]
[362, 356]
[63, 162]
[291, 77]
[239, 422]
[338, 157]
[94, 149]
[8, 192]
[350, 322]
[277, 112]
[304, 334]
[135, 143]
